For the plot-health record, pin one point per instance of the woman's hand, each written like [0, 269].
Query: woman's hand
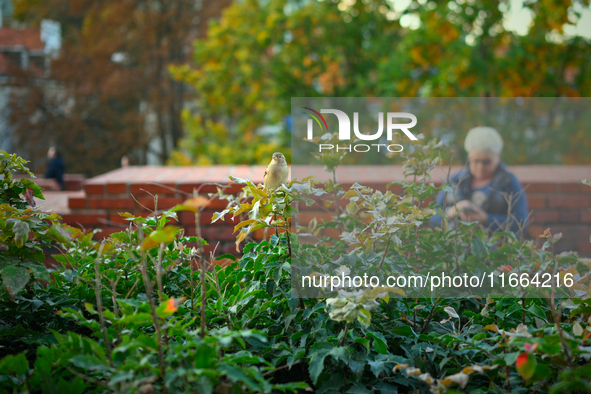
[476, 215]
[451, 212]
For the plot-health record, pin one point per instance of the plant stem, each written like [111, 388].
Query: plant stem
[384, 255]
[287, 236]
[555, 312]
[158, 265]
[201, 274]
[334, 194]
[345, 333]
[99, 304]
[148, 288]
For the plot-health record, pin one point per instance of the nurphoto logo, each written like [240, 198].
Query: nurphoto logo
[345, 129]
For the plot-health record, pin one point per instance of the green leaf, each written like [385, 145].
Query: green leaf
[342, 353]
[542, 371]
[21, 233]
[318, 353]
[37, 190]
[15, 278]
[352, 208]
[537, 311]
[364, 341]
[479, 248]
[40, 270]
[17, 365]
[364, 317]
[88, 362]
[379, 341]
[59, 233]
[237, 375]
[510, 358]
[377, 366]
[358, 388]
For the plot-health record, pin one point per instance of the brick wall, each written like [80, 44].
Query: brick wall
[556, 197]
[71, 182]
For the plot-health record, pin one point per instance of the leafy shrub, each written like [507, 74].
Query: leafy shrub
[146, 310]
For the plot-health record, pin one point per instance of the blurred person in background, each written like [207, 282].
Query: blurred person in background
[55, 167]
[484, 191]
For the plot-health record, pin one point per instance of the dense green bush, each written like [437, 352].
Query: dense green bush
[136, 313]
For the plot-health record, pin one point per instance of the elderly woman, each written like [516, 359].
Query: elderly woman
[485, 191]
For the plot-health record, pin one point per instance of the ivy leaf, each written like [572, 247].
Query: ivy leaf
[39, 270]
[342, 353]
[15, 278]
[237, 375]
[318, 353]
[379, 341]
[377, 367]
[59, 233]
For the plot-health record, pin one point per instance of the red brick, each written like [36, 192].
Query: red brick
[145, 188]
[304, 217]
[397, 189]
[545, 216]
[163, 202]
[584, 248]
[540, 187]
[218, 204]
[229, 248]
[206, 216]
[569, 202]
[111, 203]
[331, 232]
[570, 217]
[586, 216]
[116, 218]
[265, 233]
[569, 188]
[203, 188]
[107, 231]
[117, 188]
[535, 231]
[536, 202]
[93, 219]
[77, 203]
[187, 218]
[94, 188]
[212, 234]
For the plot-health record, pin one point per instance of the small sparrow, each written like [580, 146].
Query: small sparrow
[277, 172]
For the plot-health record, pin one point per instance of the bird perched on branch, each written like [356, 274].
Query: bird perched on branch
[277, 172]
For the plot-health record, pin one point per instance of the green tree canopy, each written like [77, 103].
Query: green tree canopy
[260, 54]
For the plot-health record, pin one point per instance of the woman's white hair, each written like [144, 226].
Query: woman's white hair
[483, 139]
